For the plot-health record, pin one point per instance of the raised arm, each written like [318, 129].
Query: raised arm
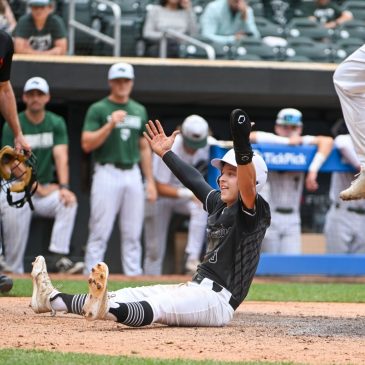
[188, 175]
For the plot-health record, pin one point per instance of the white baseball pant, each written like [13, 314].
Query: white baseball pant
[188, 304]
[349, 81]
[16, 224]
[156, 229]
[116, 192]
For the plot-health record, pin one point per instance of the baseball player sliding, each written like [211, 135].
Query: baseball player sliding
[237, 222]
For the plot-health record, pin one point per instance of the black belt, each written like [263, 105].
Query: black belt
[121, 166]
[352, 210]
[197, 278]
[284, 210]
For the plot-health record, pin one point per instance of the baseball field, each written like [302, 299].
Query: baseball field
[291, 321]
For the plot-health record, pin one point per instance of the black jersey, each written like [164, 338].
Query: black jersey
[234, 243]
[234, 235]
[6, 55]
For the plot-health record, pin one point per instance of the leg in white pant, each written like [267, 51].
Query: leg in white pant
[349, 81]
[15, 226]
[105, 204]
[131, 222]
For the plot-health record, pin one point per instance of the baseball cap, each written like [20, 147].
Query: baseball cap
[39, 2]
[36, 83]
[289, 116]
[257, 160]
[121, 70]
[195, 131]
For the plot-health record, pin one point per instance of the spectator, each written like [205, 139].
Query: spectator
[344, 228]
[113, 130]
[48, 138]
[41, 31]
[284, 234]
[192, 147]
[7, 19]
[330, 14]
[227, 21]
[176, 15]
[281, 11]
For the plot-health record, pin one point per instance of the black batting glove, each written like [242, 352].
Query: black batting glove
[240, 124]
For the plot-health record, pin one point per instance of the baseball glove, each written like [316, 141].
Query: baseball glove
[18, 175]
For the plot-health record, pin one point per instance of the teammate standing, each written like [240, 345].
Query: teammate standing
[193, 148]
[349, 81]
[113, 131]
[8, 110]
[48, 137]
[284, 234]
[238, 219]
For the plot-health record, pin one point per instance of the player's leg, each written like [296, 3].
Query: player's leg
[349, 81]
[155, 232]
[15, 228]
[105, 200]
[272, 239]
[131, 221]
[196, 232]
[291, 242]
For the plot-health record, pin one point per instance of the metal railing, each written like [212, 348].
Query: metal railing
[169, 33]
[74, 24]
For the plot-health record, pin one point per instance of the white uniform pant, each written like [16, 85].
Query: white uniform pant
[156, 229]
[116, 192]
[284, 234]
[189, 304]
[16, 224]
[344, 231]
[349, 81]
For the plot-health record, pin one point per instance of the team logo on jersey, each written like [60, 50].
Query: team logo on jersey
[214, 258]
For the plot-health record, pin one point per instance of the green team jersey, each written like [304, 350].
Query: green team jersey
[122, 145]
[42, 138]
[43, 39]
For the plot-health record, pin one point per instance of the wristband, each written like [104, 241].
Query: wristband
[317, 162]
[64, 186]
[184, 193]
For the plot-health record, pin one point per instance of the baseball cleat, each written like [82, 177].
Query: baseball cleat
[96, 305]
[5, 283]
[43, 289]
[357, 188]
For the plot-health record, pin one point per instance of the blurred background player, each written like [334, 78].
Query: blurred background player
[8, 110]
[47, 135]
[344, 227]
[193, 148]
[284, 234]
[113, 131]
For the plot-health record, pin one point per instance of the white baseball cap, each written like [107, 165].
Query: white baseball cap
[258, 161]
[39, 2]
[121, 70]
[36, 83]
[195, 131]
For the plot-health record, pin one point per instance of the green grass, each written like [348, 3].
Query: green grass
[35, 357]
[300, 292]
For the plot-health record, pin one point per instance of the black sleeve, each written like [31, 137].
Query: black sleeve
[188, 175]
[6, 56]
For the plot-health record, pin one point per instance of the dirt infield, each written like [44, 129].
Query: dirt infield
[310, 333]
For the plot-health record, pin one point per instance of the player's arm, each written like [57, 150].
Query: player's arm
[146, 166]
[60, 47]
[324, 147]
[344, 144]
[190, 177]
[266, 137]
[246, 174]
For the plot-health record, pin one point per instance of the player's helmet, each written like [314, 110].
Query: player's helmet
[289, 116]
[257, 160]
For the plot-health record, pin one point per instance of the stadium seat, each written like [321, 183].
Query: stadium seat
[250, 46]
[304, 27]
[357, 8]
[314, 51]
[268, 28]
[188, 50]
[344, 47]
[352, 29]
